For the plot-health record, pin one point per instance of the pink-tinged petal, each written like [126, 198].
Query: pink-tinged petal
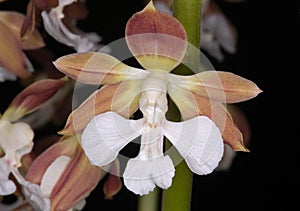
[113, 183]
[218, 86]
[29, 23]
[12, 57]
[32, 97]
[106, 134]
[192, 105]
[156, 39]
[122, 98]
[78, 179]
[199, 142]
[141, 176]
[14, 21]
[97, 68]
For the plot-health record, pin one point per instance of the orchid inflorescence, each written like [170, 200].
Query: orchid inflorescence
[88, 147]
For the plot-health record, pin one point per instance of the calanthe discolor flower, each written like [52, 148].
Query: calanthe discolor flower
[158, 42]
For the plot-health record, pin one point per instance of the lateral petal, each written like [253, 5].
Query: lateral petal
[97, 68]
[106, 134]
[192, 105]
[157, 40]
[218, 86]
[141, 176]
[199, 142]
[122, 98]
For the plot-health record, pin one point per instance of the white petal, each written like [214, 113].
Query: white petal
[140, 176]
[55, 27]
[106, 134]
[35, 197]
[199, 142]
[6, 186]
[53, 173]
[15, 140]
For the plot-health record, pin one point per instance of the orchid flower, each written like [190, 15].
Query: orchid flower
[53, 22]
[16, 138]
[158, 42]
[62, 177]
[13, 61]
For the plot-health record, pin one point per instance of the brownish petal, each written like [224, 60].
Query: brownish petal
[220, 86]
[122, 98]
[14, 22]
[156, 39]
[12, 57]
[97, 68]
[191, 105]
[68, 147]
[29, 23]
[32, 97]
[113, 183]
[77, 181]
[46, 4]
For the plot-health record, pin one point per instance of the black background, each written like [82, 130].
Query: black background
[268, 54]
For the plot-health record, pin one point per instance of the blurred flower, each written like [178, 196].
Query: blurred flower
[54, 22]
[158, 42]
[13, 61]
[16, 138]
[217, 32]
[61, 177]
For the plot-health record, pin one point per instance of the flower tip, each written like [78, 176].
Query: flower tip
[150, 6]
[65, 132]
[241, 148]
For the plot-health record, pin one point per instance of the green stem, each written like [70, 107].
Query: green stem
[188, 12]
[149, 202]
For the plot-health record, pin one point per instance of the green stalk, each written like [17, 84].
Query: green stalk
[188, 12]
[149, 202]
